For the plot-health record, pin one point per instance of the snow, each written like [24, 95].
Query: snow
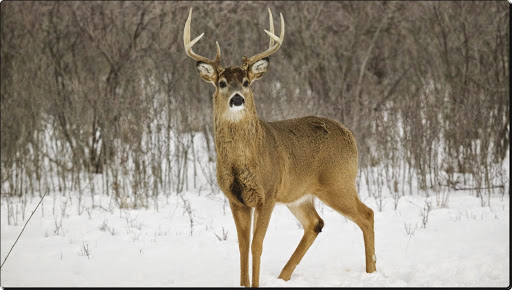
[463, 244]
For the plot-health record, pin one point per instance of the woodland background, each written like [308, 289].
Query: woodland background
[105, 89]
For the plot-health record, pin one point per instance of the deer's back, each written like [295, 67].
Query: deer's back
[314, 137]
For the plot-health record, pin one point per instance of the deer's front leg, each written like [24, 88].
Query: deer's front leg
[242, 217]
[261, 219]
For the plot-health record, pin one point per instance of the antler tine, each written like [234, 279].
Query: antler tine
[217, 58]
[271, 43]
[188, 44]
[272, 48]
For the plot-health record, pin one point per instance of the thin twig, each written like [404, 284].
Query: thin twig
[413, 203]
[23, 228]
[477, 188]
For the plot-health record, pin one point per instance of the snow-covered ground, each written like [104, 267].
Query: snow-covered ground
[463, 244]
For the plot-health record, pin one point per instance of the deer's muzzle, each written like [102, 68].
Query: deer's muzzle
[236, 101]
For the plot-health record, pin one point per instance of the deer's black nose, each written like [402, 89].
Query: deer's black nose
[236, 100]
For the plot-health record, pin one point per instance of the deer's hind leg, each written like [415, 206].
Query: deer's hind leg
[312, 223]
[344, 200]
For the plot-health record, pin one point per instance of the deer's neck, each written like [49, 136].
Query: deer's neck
[238, 141]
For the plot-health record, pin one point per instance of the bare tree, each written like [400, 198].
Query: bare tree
[99, 88]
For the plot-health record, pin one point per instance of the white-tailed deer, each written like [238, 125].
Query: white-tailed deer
[263, 163]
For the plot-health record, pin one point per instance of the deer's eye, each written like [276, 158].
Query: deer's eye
[222, 84]
[246, 83]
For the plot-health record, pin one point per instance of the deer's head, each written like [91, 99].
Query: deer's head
[233, 98]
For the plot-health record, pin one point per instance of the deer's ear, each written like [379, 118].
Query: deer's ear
[258, 69]
[207, 72]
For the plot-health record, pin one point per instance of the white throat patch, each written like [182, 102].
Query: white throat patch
[234, 114]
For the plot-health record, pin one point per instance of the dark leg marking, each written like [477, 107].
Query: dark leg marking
[319, 226]
[236, 187]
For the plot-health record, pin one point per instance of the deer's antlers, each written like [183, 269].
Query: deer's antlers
[272, 48]
[188, 45]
